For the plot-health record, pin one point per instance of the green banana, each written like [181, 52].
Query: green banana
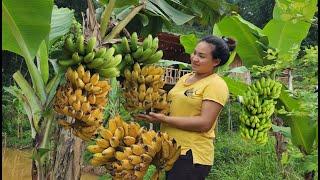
[155, 44]
[80, 44]
[122, 65]
[128, 59]
[109, 53]
[114, 63]
[91, 44]
[154, 58]
[137, 55]
[89, 57]
[145, 55]
[66, 62]
[109, 72]
[125, 44]
[96, 63]
[100, 52]
[147, 42]
[118, 48]
[76, 58]
[134, 42]
[107, 62]
[69, 45]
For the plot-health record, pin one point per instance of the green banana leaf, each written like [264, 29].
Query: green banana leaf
[30, 98]
[285, 34]
[246, 34]
[303, 129]
[286, 131]
[175, 15]
[189, 42]
[61, 21]
[235, 87]
[24, 27]
[42, 59]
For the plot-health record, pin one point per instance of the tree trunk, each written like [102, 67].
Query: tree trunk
[280, 145]
[67, 157]
[309, 175]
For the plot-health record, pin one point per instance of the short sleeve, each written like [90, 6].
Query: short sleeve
[217, 91]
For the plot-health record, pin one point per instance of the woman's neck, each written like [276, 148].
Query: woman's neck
[201, 75]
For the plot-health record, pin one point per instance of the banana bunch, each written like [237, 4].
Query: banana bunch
[127, 150]
[133, 51]
[99, 60]
[258, 107]
[83, 97]
[143, 89]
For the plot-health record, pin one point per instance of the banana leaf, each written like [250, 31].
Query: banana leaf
[235, 87]
[61, 21]
[285, 34]
[43, 64]
[25, 25]
[303, 129]
[175, 15]
[31, 99]
[246, 35]
[189, 42]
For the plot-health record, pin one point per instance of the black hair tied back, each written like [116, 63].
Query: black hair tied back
[223, 47]
[230, 42]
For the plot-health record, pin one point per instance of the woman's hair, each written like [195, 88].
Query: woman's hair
[222, 45]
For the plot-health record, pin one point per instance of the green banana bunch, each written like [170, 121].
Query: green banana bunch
[258, 105]
[144, 53]
[100, 60]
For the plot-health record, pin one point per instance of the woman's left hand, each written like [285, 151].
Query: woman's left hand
[152, 117]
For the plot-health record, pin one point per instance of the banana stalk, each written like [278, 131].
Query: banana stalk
[116, 30]
[106, 18]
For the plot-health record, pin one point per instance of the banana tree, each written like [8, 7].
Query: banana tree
[30, 37]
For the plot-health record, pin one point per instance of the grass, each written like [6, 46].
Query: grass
[236, 158]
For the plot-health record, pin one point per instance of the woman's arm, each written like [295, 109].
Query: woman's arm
[209, 113]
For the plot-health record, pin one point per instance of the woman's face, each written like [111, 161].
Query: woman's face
[202, 60]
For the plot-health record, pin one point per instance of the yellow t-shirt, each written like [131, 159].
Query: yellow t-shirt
[186, 100]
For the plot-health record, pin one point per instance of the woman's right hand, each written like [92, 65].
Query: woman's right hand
[152, 117]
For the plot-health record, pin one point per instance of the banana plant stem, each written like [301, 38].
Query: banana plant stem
[122, 24]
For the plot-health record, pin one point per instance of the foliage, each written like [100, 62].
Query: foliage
[228, 117]
[258, 12]
[208, 12]
[13, 115]
[238, 159]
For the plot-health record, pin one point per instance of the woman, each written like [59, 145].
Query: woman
[195, 103]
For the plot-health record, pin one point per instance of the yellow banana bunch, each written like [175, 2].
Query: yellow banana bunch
[258, 105]
[143, 89]
[83, 98]
[127, 150]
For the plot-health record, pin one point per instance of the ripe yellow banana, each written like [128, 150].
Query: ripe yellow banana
[95, 148]
[106, 133]
[103, 143]
[134, 159]
[138, 149]
[128, 140]
[109, 152]
[114, 142]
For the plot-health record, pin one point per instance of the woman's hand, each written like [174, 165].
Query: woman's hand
[152, 117]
